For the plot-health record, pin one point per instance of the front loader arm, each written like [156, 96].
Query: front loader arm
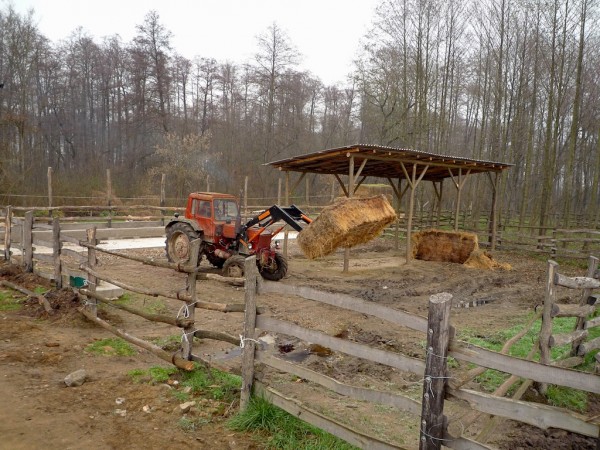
[290, 215]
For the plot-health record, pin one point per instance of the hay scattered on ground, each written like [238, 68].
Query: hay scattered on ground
[453, 246]
[481, 259]
[346, 223]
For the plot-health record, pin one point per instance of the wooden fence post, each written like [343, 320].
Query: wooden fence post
[592, 266]
[163, 182]
[190, 306]
[248, 342]
[546, 328]
[92, 280]
[109, 197]
[50, 191]
[56, 250]
[7, 231]
[28, 242]
[433, 425]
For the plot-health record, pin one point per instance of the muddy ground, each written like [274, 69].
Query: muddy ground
[37, 351]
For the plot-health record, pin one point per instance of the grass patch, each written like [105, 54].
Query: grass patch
[168, 343]
[213, 384]
[111, 347]
[8, 301]
[490, 380]
[148, 305]
[284, 431]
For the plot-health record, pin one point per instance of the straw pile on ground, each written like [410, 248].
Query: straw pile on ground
[346, 223]
[481, 259]
[453, 246]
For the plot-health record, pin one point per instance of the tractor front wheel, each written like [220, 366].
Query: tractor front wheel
[178, 243]
[234, 266]
[276, 269]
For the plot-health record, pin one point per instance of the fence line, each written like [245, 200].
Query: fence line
[538, 415]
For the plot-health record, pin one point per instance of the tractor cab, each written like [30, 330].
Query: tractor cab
[216, 214]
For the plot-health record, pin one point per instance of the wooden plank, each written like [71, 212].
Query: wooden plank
[568, 362]
[576, 282]
[347, 302]
[28, 242]
[72, 240]
[587, 347]
[43, 257]
[361, 351]
[297, 409]
[358, 393]
[572, 310]
[79, 256]
[462, 443]
[556, 340]
[434, 383]
[105, 233]
[524, 369]
[541, 416]
[7, 233]
[249, 333]
[592, 323]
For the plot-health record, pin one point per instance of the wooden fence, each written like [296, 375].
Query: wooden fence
[433, 369]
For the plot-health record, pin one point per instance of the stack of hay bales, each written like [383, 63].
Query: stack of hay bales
[346, 223]
[453, 246]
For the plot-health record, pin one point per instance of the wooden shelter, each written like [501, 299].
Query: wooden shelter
[396, 165]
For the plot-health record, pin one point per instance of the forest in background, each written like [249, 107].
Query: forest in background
[515, 81]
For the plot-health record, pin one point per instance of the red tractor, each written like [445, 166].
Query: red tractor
[226, 242]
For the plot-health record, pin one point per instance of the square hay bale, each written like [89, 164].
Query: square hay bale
[448, 246]
[346, 223]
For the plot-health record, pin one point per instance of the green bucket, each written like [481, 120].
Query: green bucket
[77, 282]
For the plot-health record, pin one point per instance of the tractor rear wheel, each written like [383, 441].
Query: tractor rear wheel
[178, 243]
[276, 270]
[234, 266]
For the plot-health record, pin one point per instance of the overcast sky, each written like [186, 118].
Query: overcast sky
[326, 32]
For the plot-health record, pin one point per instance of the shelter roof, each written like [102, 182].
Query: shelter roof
[386, 162]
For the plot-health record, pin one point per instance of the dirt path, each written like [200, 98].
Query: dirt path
[38, 411]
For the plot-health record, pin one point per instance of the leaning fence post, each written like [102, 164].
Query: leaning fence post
[247, 341]
[546, 328]
[56, 250]
[7, 231]
[28, 242]
[435, 378]
[92, 280]
[190, 305]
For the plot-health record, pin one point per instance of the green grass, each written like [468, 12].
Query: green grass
[8, 301]
[490, 380]
[284, 431]
[148, 305]
[111, 347]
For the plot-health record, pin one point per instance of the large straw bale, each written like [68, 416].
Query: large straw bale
[438, 245]
[481, 259]
[346, 223]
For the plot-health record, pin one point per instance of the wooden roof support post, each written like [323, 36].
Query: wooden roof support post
[413, 182]
[350, 194]
[398, 194]
[459, 184]
[438, 195]
[494, 210]
[287, 202]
